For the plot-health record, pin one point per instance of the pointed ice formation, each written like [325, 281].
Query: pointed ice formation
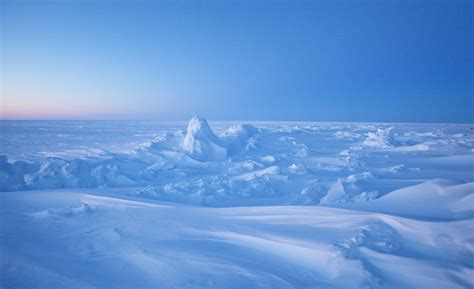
[201, 143]
[336, 193]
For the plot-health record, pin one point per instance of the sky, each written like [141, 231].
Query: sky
[389, 61]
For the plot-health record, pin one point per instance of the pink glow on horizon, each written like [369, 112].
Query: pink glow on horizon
[60, 112]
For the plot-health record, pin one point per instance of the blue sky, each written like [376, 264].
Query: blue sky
[409, 61]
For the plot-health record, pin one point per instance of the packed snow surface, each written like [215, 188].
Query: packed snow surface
[115, 204]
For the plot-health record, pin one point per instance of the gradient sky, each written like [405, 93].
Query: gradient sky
[380, 60]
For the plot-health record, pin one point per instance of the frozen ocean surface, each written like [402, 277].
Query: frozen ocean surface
[136, 204]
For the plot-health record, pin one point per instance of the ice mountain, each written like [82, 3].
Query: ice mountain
[201, 143]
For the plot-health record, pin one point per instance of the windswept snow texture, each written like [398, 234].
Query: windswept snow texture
[116, 204]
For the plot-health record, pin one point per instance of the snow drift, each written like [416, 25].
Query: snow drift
[67, 239]
[434, 199]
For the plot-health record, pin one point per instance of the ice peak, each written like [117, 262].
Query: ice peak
[201, 143]
[198, 125]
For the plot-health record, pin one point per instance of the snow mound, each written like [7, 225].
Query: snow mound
[433, 199]
[165, 142]
[62, 212]
[201, 143]
[413, 148]
[240, 137]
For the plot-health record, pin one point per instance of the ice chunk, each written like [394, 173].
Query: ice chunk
[273, 170]
[335, 193]
[361, 176]
[379, 139]
[297, 169]
[268, 159]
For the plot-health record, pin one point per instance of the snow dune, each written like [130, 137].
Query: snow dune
[435, 199]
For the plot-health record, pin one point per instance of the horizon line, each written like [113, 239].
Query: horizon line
[249, 120]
